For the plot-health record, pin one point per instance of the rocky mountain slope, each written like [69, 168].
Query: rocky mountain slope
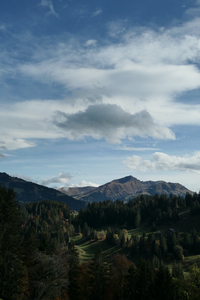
[125, 189]
[29, 191]
[76, 190]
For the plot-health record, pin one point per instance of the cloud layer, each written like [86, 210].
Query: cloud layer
[109, 89]
[163, 161]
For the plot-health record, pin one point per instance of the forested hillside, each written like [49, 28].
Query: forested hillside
[41, 254]
[31, 192]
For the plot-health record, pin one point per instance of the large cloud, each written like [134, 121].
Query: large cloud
[163, 161]
[111, 122]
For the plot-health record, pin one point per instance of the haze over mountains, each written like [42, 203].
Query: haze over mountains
[125, 189]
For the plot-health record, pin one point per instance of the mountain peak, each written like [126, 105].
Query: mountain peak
[125, 179]
[129, 187]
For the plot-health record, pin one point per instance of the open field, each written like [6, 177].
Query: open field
[87, 249]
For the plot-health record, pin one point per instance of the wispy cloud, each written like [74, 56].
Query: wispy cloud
[49, 4]
[90, 43]
[97, 12]
[163, 161]
[137, 149]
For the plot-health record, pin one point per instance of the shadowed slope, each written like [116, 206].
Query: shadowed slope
[29, 191]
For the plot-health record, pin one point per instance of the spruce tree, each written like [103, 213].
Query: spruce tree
[144, 281]
[99, 274]
[12, 270]
[164, 286]
[73, 271]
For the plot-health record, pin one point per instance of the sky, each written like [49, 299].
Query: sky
[92, 91]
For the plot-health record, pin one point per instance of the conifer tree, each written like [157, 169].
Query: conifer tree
[12, 270]
[30, 243]
[99, 275]
[163, 284]
[73, 271]
[130, 286]
[144, 281]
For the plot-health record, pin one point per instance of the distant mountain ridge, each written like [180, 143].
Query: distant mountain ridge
[126, 188]
[29, 191]
[76, 190]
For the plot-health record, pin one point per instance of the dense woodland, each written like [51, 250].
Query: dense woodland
[38, 258]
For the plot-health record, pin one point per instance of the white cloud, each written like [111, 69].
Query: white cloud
[90, 43]
[87, 183]
[127, 72]
[125, 148]
[111, 122]
[163, 161]
[15, 143]
[25, 121]
[143, 72]
[116, 28]
[193, 11]
[49, 4]
[97, 12]
[83, 183]
[63, 178]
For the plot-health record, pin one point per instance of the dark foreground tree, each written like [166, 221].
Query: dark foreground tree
[99, 273]
[12, 271]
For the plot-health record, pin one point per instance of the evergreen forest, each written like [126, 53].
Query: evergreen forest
[147, 248]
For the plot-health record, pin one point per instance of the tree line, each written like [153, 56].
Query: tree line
[158, 209]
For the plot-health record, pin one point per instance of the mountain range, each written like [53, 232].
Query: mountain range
[125, 189]
[29, 191]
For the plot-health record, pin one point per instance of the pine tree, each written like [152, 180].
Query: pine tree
[99, 275]
[30, 243]
[12, 270]
[137, 219]
[164, 287]
[130, 286]
[144, 281]
[73, 271]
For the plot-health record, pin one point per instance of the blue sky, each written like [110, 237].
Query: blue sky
[93, 91]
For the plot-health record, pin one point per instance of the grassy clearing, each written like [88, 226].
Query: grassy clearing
[87, 249]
